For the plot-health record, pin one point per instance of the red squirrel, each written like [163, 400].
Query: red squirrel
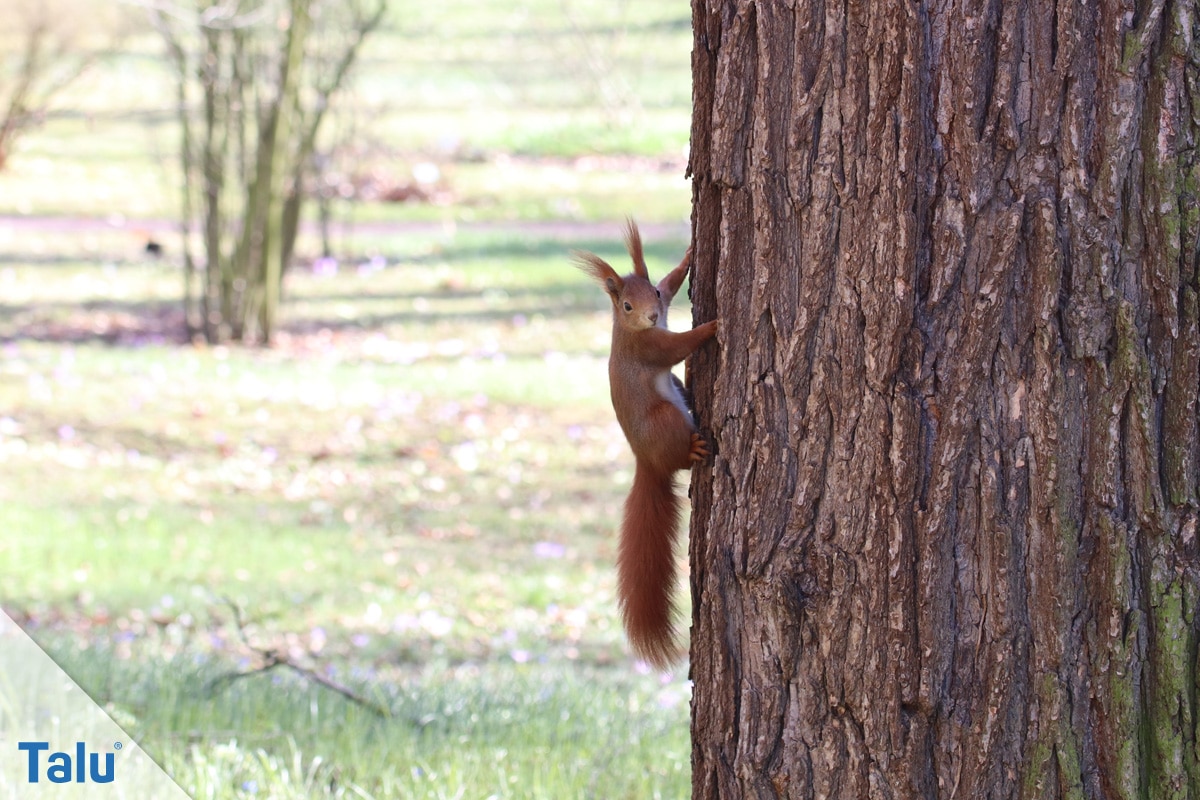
[658, 425]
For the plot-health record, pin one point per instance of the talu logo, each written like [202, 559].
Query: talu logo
[67, 767]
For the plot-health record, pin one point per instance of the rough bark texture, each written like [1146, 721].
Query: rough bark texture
[947, 547]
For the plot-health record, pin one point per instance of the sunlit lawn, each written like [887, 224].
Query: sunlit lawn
[414, 491]
[529, 109]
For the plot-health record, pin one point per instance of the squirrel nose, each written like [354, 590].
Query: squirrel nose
[654, 318]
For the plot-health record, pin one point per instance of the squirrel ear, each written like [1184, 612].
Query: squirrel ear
[601, 271]
[633, 242]
[671, 282]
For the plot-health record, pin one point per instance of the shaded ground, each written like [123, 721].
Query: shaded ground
[115, 242]
[12, 226]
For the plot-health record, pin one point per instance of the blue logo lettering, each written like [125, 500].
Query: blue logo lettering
[65, 767]
[33, 748]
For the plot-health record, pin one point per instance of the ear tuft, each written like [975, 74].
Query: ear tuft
[633, 243]
[600, 271]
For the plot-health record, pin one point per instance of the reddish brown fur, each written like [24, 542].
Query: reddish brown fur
[633, 243]
[646, 565]
[663, 439]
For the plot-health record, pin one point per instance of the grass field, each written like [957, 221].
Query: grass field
[413, 493]
[533, 109]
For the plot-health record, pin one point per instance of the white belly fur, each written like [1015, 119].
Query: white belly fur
[670, 392]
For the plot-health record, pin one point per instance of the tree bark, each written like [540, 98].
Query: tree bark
[946, 547]
[265, 90]
[281, 158]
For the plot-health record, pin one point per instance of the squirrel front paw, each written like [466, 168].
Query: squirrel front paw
[699, 448]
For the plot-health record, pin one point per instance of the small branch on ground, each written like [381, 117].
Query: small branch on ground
[271, 657]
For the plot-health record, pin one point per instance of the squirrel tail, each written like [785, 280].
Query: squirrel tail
[646, 565]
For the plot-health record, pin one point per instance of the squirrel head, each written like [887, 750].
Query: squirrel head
[638, 304]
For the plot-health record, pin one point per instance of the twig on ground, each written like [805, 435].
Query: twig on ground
[273, 657]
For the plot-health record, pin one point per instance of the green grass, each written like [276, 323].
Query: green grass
[417, 488]
[513, 101]
[415, 491]
[499, 730]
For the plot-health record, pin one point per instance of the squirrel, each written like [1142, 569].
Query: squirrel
[657, 422]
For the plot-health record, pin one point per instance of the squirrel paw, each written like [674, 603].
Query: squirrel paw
[699, 450]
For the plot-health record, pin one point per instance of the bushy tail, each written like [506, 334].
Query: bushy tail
[646, 566]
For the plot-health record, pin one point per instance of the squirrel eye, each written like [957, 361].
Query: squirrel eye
[628, 307]
[658, 293]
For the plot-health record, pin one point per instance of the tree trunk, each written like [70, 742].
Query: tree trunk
[281, 131]
[946, 546]
[212, 181]
[194, 311]
[265, 90]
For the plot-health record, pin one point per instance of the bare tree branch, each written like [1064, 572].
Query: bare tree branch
[51, 57]
[270, 658]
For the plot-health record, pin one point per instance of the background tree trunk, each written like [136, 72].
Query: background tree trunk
[283, 166]
[947, 544]
[263, 90]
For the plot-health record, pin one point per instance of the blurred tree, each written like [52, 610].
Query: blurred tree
[947, 547]
[255, 79]
[45, 45]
